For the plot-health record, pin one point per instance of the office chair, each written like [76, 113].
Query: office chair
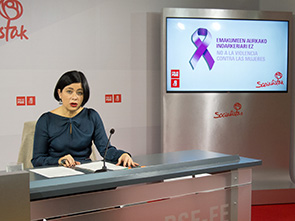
[27, 142]
[26, 147]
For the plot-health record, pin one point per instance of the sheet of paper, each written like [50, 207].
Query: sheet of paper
[98, 165]
[53, 172]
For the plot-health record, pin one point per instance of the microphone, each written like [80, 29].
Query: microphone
[104, 167]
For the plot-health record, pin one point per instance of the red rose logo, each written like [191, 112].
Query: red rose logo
[278, 75]
[237, 106]
[11, 9]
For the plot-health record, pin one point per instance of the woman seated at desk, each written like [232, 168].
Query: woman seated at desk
[64, 135]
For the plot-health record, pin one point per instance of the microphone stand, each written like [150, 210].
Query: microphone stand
[104, 167]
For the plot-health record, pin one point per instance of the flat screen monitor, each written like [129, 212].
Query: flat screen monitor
[225, 53]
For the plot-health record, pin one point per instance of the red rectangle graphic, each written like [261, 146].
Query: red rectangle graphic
[175, 83]
[117, 98]
[31, 100]
[108, 98]
[175, 73]
[20, 101]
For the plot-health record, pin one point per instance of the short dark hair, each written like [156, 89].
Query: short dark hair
[71, 77]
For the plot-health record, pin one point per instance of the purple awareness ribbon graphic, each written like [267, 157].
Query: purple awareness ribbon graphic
[202, 48]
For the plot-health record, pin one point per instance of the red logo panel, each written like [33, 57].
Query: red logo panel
[175, 73]
[175, 83]
[109, 98]
[31, 100]
[25, 100]
[20, 101]
[117, 98]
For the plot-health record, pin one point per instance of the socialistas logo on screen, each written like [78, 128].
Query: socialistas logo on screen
[11, 10]
[274, 82]
[233, 113]
[202, 46]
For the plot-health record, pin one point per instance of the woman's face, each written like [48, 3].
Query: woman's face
[72, 96]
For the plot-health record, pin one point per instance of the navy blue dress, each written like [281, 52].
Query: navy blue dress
[57, 136]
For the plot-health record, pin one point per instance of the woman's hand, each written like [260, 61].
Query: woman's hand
[126, 161]
[68, 161]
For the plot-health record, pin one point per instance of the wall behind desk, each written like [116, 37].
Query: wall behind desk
[115, 43]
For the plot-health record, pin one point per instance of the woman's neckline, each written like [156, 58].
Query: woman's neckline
[64, 116]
